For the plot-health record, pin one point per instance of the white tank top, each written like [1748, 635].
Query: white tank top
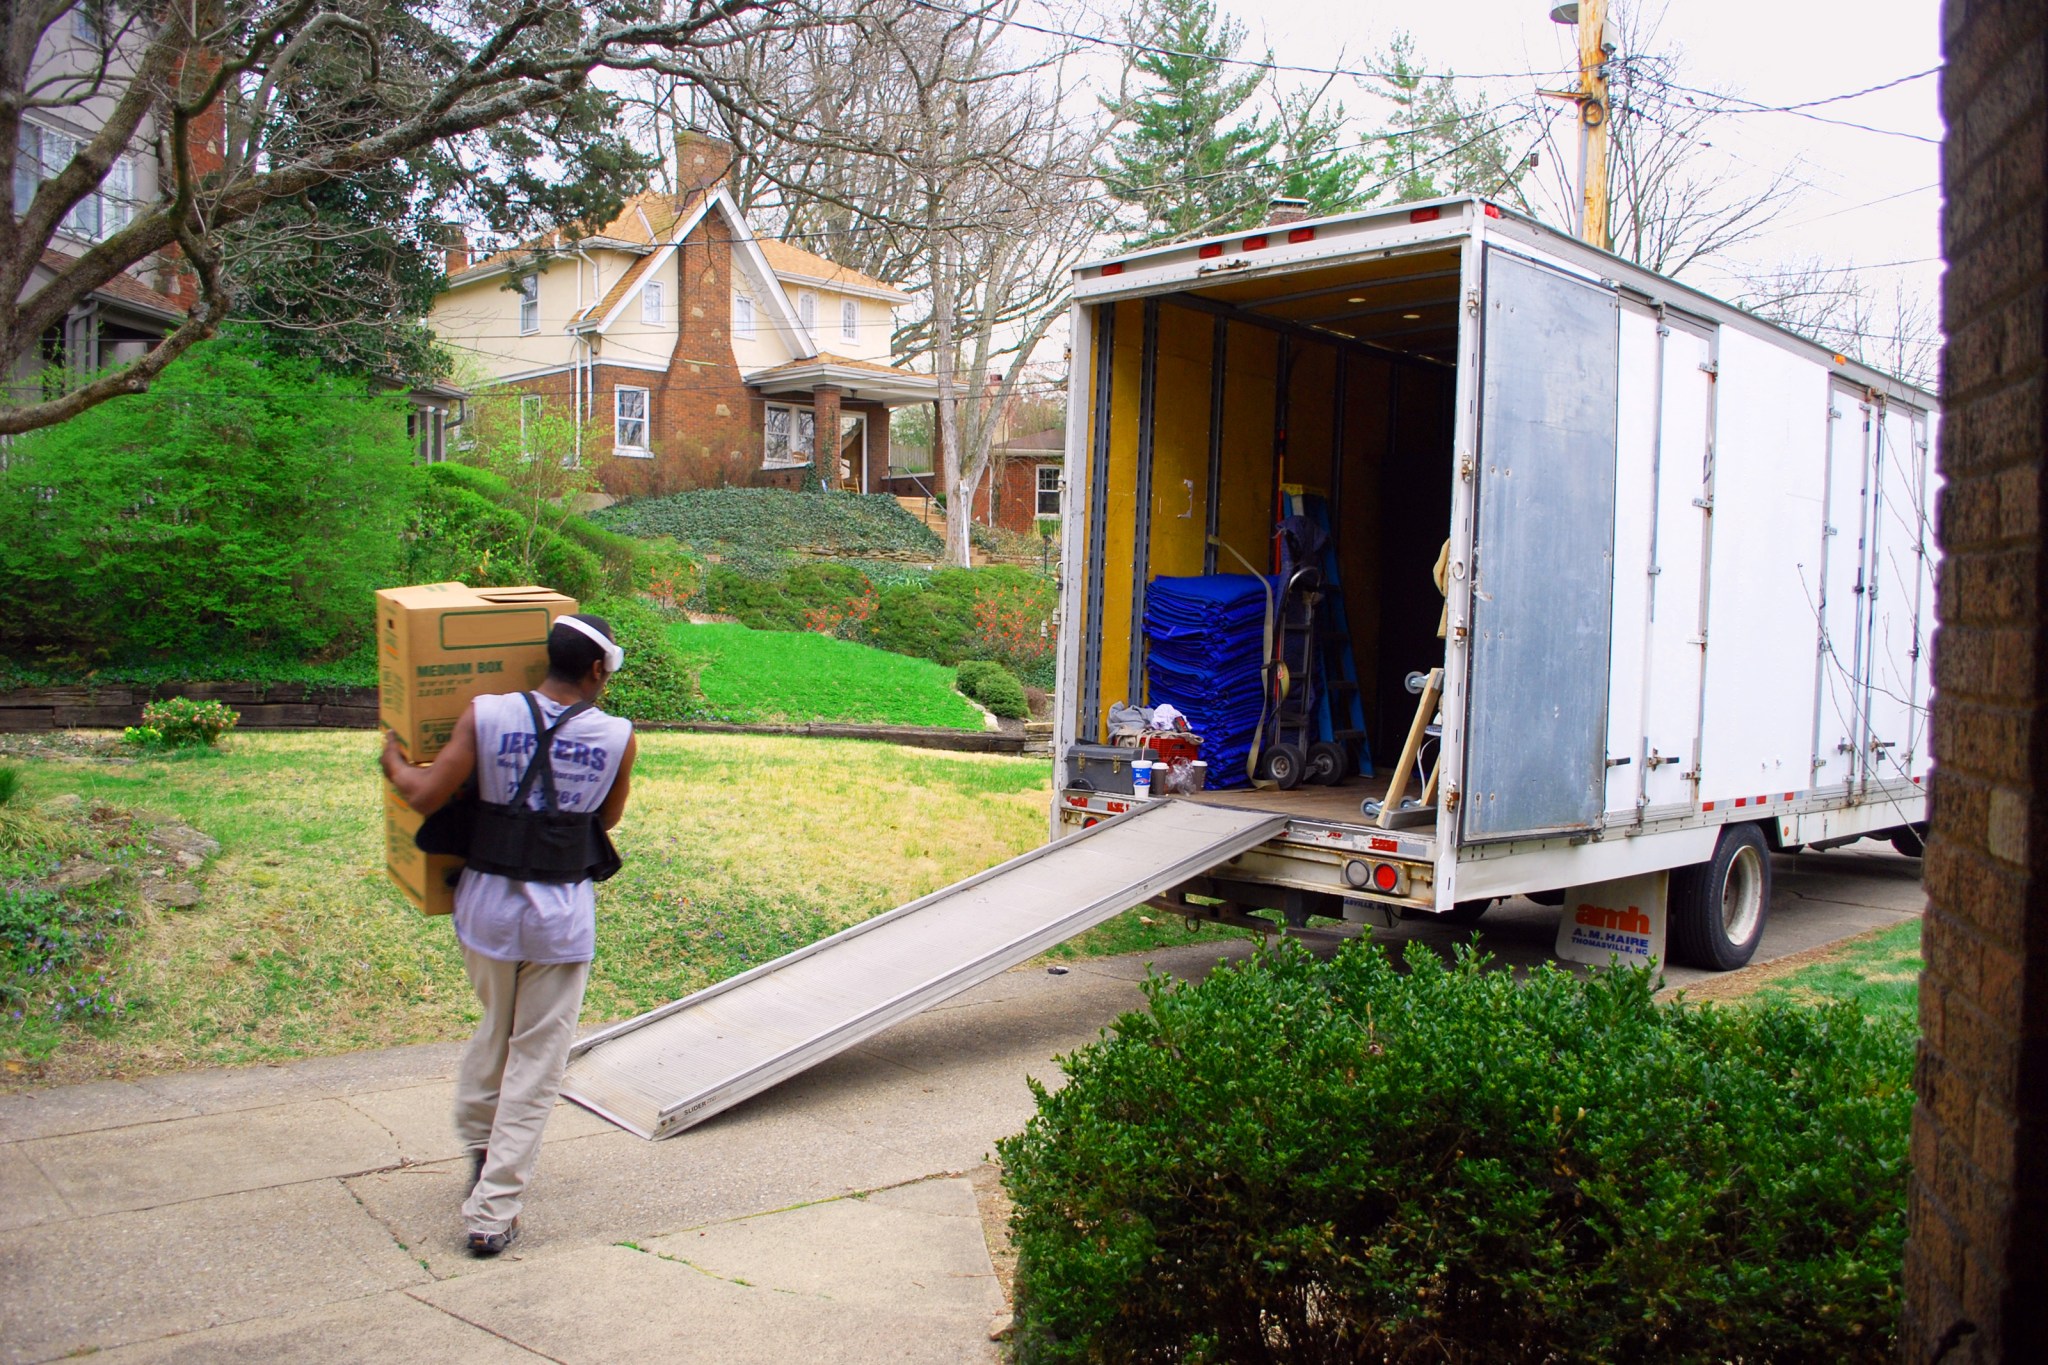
[520, 921]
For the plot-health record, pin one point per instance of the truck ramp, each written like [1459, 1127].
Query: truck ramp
[678, 1065]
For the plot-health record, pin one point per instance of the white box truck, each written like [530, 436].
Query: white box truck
[1688, 566]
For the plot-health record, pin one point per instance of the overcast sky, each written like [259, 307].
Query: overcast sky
[1861, 198]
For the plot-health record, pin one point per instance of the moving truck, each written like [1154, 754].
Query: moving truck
[1687, 595]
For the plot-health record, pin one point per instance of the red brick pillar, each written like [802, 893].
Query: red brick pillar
[825, 439]
[1977, 1264]
[878, 449]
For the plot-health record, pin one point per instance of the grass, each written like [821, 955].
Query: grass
[738, 849]
[1878, 972]
[794, 676]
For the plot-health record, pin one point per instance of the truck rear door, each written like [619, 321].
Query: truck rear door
[1543, 575]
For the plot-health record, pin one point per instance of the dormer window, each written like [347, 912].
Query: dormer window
[650, 303]
[807, 309]
[849, 320]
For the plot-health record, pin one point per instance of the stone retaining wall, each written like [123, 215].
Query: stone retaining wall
[284, 706]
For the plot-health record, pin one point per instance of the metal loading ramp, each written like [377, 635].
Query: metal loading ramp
[678, 1065]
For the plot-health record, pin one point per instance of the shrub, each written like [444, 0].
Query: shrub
[994, 686]
[657, 683]
[997, 612]
[1297, 1161]
[457, 534]
[10, 785]
[181, 721]
[246, 501]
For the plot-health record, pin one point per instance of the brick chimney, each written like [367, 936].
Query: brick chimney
[701, 162]
[1282, 211]
[455, 246]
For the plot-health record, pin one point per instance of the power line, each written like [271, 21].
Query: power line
[1749, 106]
[1151, 49]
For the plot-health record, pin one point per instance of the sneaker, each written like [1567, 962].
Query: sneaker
[492, 1243]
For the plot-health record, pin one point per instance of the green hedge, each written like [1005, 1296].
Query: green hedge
[622, 560]
[1303, 1161]
[771, 519]
[994, 686]
[246, 503]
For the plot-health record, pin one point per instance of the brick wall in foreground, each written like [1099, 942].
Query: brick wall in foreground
[1977, 1264]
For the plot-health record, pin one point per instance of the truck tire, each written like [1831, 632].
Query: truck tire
[1907, 839]
[1718, 908]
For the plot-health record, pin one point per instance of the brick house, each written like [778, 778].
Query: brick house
[1023, 483]
[689, 351]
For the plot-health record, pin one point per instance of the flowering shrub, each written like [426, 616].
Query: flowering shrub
[1013, 625]
[846, 618]
[180, 721]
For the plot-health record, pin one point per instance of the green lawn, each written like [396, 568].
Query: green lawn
[1879, 972]
[794, 676]
[738, 848]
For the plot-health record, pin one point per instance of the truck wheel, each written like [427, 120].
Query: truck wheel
[1284, 764]
[1906, 839]
[1467, 912]
[1326, 763]
[1718, 908]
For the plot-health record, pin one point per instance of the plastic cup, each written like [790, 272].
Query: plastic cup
[1141, 777]
[1198, 776]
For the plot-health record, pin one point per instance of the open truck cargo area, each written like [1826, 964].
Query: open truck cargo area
[1686, 566]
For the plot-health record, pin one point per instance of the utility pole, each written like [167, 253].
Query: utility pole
[1591, 97]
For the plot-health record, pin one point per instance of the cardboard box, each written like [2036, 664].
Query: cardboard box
[440, 644]
[428, 880]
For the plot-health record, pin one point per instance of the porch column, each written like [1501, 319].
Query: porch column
[825, 434]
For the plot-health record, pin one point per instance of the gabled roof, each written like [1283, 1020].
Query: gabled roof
[122, 288]
[795, 263]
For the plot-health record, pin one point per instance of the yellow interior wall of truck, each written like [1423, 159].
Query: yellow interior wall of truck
[1121, 515]
[1310, 381]
[1180, 442]
[1245, 501]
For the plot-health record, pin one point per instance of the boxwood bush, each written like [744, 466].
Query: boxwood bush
[1303, 1161]
[994, 686]
[713, 519]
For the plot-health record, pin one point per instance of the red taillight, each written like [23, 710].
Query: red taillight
[1211, 250]
[1385, 877]
[1257, 243]
[1302, 235]
[1424, 215]
[1091, 822]
[1113, 268]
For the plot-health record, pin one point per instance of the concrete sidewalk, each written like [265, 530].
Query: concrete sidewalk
[312, 1210]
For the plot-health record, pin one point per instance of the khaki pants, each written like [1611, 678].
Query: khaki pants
[511, 1073]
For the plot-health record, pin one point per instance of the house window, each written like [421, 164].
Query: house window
[849, 320]
[529, 305]
[742, 316]
[529, 422]
[790, 436]
[629, 431]
[807, 309]
[85, 22]
[1048, 490]
[650, 303]
[41, 153]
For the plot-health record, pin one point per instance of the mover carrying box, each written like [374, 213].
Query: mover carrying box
[438, 645]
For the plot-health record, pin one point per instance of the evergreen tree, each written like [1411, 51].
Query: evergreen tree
[1192, 157]
[1437, 142]
[1314, 162]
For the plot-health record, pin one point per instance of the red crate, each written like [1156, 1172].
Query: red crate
[1169, 748]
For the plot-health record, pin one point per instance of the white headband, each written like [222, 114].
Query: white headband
[614, 657]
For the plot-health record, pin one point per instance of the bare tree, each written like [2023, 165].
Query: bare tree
[251, 104]
[1893, 330]
[917, 143]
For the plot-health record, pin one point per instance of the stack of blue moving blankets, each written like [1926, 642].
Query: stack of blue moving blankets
[1207, 637]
